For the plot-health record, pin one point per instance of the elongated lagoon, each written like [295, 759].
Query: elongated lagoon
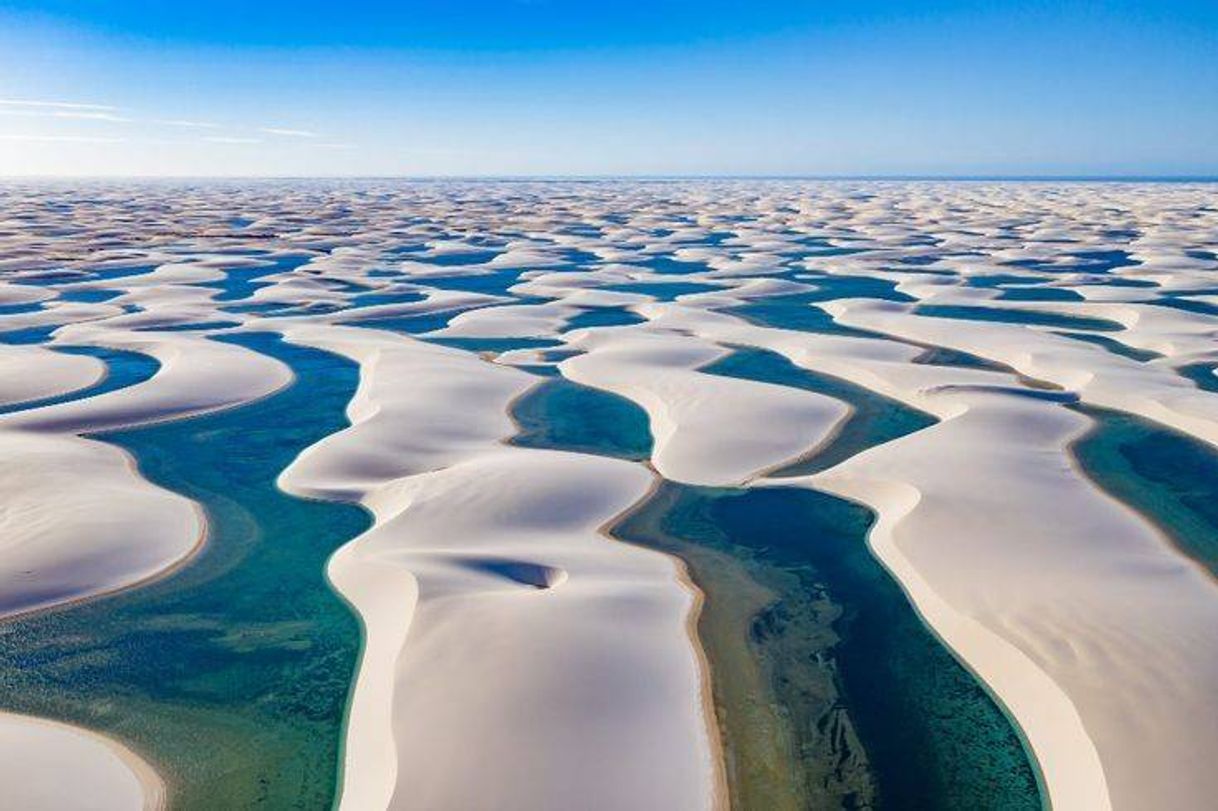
[231, 675]
[829, 690]
[1168, 477]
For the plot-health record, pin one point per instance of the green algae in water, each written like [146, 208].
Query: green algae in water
[231, 675]
[1167, 476]
[933, 737]
[822, 644]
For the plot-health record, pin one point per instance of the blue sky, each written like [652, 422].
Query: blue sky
[548, 87]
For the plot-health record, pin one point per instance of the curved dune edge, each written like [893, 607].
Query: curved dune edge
[1152, 391]
[58, 374]
[596, 689]
[105, 775]
[1072, 684]
[138, 531]
[770, 425]
[721, 793]
[1063, 754]
[1069, 664]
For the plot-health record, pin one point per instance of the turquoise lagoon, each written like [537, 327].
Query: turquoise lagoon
[231, 674]
[864, 704]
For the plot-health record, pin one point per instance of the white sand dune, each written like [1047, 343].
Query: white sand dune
[1085, 622]
[104, 776]
[134, 529]
[196, 376]
[691, 411]
[1100, 377]
[58, 373]
[501, 627]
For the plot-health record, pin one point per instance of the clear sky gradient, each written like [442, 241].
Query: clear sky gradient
[604, 88]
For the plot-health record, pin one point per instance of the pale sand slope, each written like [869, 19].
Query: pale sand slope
[690, 411]
[196, 376]
[59, 487]
[1088, 625]
[58, 373]
[514, 658]
[102, 775]
[1078, 613]
[1100, 377]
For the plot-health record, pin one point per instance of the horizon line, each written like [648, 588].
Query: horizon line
[527, 177]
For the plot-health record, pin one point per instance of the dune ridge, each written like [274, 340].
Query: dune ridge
[484, 570]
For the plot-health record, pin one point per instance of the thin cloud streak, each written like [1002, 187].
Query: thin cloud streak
[59, 105]
[178, 122]
[71, 139]
[81, 115]
[228, 139]
[288, 133]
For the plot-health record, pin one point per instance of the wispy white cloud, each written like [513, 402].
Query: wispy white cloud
[288, 133]
[58, 105]
[180, 122]
[81, 111]
[73, 139]
[86, 115]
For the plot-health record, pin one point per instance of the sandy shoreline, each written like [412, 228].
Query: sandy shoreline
[447, 587]
[106, 774]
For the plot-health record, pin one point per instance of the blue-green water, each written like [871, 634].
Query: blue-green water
[1027, 317]
[241, 282]
[495, 283]
[1167, 476]
[409, 324]
[1189, 305]
[1039, 294]
[875, 419]
[604, 317]
[932, 736]
[1103, 261]
[671, 265]
[122, 369]
[88, 296]
[559, 413]
[795, 312]
[1001, 279]
[1200, 373]
[230, 675]
[1112, 345]
[840, 646]
[16, 309]
[27, 335]
[665, 291]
